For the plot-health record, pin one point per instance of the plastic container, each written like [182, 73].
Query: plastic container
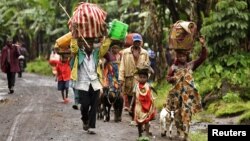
[118, 30]
[64, 41]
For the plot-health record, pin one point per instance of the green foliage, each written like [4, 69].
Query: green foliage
[245, 118]
[39, 66]
[202, 117]
[215, 106]
[231, 98]
[222, 109]
[198, 136]
[34, 22]
[143, 138]
[162, 90]
[231, 109]
[226, 27]
[234, 68]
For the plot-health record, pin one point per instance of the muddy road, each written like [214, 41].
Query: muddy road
[35, 112]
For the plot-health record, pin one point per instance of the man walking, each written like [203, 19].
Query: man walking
[131, 58]
[85, 78]
[10, 64]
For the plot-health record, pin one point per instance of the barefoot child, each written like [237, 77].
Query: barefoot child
[63, 77]
[144, 102]
[184, 96]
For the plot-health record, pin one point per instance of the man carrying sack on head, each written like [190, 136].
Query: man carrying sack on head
[86, 57]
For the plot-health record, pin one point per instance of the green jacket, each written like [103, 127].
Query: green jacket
[80, 55]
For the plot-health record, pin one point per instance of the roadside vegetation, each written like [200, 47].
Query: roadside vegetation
[39, 66]
[223, 81]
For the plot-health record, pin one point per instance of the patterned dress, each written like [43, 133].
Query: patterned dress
[144, 107]
[184, 98]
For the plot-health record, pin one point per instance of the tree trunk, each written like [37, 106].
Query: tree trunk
[154, 34]
[119, 3]
[173, 12]
[196, 13]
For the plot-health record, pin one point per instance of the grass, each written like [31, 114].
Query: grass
[245, 117]
[39, 66]
[143, 138]
[198, 136]
[231, 109]
[162, 90]
[202, 117]
[221, 108]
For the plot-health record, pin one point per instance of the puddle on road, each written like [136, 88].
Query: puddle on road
[3, 96]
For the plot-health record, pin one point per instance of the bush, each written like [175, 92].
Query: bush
[39, 66]
[231, 109]
[162, 89]
[245, 118]
[198, 136]
[231, 98]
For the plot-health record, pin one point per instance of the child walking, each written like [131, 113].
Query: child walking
[184, 96]
[63, 77]
[144, 102]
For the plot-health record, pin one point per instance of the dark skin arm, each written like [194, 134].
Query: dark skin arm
[170, 76]
[203, 54]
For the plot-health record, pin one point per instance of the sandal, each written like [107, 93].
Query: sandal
[75, 107]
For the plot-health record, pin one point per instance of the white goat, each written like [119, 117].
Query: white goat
[166, 121]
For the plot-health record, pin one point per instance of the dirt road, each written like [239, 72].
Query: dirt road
[35, 113]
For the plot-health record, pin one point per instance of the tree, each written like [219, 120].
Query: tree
[226, 27]
[36, 23]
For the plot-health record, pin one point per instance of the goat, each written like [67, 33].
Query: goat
[109, 99]
[100, 108]
[166, 121]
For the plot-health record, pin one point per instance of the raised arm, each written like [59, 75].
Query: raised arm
[104, 47]
[203, 55]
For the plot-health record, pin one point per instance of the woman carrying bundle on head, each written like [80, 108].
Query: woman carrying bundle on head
[184, 96]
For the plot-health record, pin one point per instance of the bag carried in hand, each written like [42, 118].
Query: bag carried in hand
[54, 59]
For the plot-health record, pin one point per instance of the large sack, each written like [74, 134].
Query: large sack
[90, 21]
[182, 35]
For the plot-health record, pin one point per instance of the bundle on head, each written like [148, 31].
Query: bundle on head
[89, 20]
[182, 35]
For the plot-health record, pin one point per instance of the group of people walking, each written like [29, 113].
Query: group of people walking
[97, 62]
[129, 69]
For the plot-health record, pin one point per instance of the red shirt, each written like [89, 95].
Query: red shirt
[63, 71]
